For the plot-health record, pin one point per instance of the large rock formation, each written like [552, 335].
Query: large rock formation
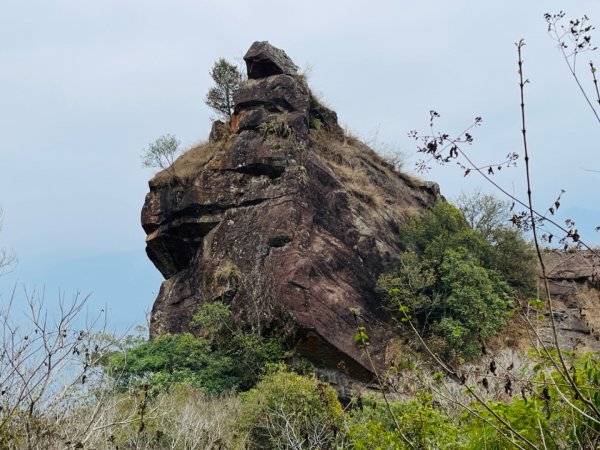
[284, 218]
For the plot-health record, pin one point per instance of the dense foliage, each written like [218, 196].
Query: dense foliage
[547, 413]
[424, 425]
[508, 252]
[227, 80]
[223, 358]
[287, 410]
[453, 281]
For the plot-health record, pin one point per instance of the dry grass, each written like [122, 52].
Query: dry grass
[351, 152]
[404, 213]
[357, 181]
[516, 335]
[227, 271]
[181, 419]
[191, 162]
[589, 307]
[368, 175]
[226, 277]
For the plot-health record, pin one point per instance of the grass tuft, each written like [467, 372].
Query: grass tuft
[190, 163]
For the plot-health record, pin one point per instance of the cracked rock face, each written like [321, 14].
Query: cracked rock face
[285, 219]
[574, 282]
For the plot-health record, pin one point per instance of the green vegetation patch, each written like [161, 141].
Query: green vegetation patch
[222, 358]
[456, 283]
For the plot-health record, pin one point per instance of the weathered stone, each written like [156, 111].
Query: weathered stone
[326, 117]
[250, 119]
[280, 93]
[235, 122]
[264, 60]
[298, 123]
[303, 242]
[574, 266]
[219, 131]
[574, 282]
[258, 119]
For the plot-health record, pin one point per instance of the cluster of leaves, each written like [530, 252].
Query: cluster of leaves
[222, 358]
[421, 422]
[454, 280]
[161, 153]
[506, 251]
[287, 410]
[227, 80]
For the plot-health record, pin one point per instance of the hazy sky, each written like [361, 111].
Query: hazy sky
[85, 85]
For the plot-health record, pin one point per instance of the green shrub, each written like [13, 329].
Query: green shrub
[514, 258]
[223, 358]
[541, 414]
[475, 303]
[287, 410]
[442, 228]
[424, 425]
[249, 352]
[228, 79]
[444, 284]
[215, 322]
[509, 253]
[170, 359]
[161, 153]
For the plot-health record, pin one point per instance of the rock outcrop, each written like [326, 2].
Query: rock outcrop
[284, 218]
[574, 281]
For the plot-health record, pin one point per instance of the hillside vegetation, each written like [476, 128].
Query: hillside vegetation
[224, 387]
[315, 297]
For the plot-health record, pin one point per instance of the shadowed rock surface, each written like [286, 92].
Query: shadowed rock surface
[284, 218]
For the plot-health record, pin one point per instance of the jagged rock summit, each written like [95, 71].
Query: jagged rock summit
[283, 217]
[263, 60]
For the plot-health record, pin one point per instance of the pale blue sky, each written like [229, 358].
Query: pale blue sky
[85, 85]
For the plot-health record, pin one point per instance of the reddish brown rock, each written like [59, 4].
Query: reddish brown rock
[288, 225]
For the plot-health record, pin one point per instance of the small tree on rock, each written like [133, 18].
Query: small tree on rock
[161, 153]
[227, 79]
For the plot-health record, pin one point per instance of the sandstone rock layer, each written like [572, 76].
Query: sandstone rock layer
[285, 218]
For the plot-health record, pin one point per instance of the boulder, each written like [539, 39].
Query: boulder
[326, 118]
[218, 131]
[278, 93]
[264, 60]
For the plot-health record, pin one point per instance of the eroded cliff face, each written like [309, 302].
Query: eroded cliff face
[574, 282]
[283, 217]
